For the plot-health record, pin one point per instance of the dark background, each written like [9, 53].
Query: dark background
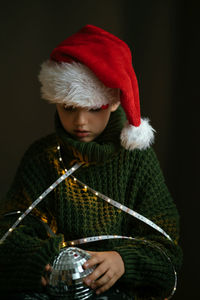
[164, 38]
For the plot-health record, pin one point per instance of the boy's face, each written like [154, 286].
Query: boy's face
[83, 124]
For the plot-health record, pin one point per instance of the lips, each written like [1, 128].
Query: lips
[81, 133]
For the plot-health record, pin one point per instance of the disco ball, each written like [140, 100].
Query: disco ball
[66, 279]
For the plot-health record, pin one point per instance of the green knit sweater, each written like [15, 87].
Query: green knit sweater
[132, 178]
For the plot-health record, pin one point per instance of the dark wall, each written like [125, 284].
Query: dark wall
[29, 32]
[163, 36]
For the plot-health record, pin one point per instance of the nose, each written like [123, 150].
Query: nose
[80, 118]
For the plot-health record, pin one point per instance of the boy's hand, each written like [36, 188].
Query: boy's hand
[110, 267]
[45, 278]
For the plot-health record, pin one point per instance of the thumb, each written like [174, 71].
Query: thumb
[91, 252]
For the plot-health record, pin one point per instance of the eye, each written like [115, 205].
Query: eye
[95, 109]
[69, 108]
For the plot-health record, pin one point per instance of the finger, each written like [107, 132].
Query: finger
[48, 268]
[98, 272]
[108, 276]
[91, 252]
[94, 260]
[43, 281]
[106, 286]
[46, 274]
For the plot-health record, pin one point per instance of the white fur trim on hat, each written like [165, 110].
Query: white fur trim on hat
[74, 84]
[140, 137]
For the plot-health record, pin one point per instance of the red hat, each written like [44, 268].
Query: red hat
[100, 61]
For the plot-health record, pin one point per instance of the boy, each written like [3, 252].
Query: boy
[91, 80]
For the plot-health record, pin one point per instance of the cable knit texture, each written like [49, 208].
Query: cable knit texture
[132, 178]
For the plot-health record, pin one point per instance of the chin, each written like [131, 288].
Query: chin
[85, 140]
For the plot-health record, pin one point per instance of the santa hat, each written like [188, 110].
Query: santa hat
[93, 68]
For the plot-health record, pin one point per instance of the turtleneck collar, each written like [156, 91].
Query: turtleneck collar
[98, 150]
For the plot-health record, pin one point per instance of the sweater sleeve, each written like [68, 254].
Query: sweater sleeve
[28, 249]
[151, 259]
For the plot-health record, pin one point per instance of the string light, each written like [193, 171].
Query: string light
[39, 199]
[148, 243]
[64, 244]
[123, 207]
[129, 211]
[91, 239]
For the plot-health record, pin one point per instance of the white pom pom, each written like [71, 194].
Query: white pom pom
[140, 137]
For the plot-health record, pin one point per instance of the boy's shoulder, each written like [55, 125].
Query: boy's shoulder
[145, 158]
[142, 153]
[41, 146]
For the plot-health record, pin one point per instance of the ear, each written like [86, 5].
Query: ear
[114, 106]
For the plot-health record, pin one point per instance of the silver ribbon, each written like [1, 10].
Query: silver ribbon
[39, 199]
